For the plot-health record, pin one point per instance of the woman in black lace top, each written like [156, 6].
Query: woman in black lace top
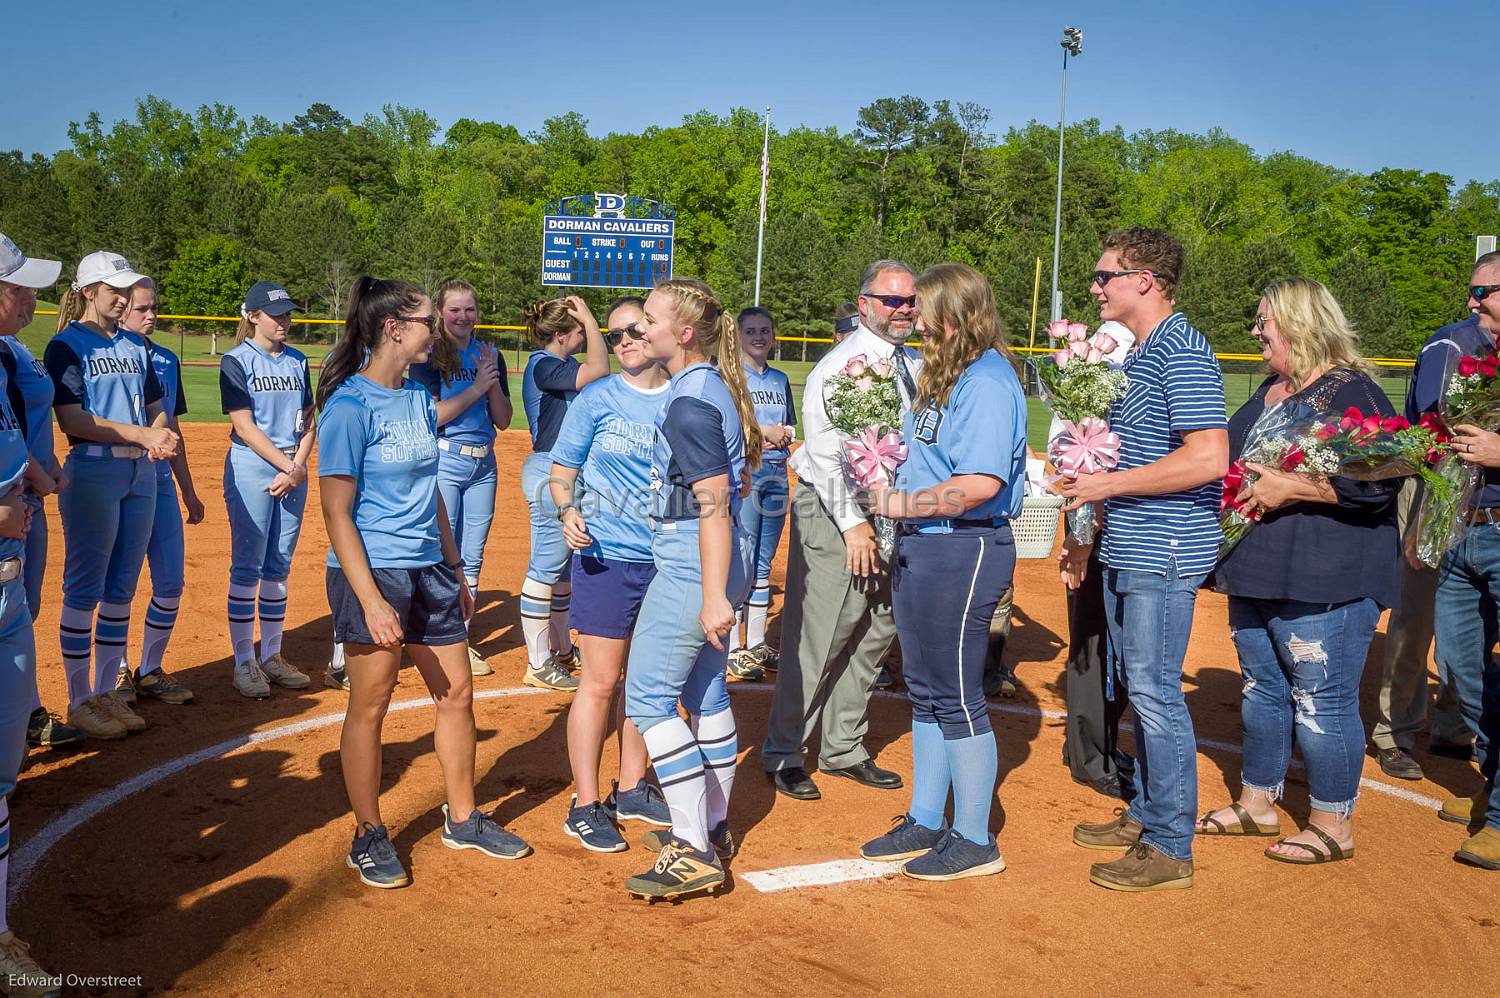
[1307, 585]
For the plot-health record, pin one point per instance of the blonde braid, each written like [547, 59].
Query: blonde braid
[719, 335]
[71, 307]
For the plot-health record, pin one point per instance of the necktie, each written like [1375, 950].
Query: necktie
[907, 381]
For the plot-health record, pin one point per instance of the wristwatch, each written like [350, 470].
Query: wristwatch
[562, 510]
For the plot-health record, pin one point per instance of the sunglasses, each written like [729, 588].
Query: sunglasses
[612, 337]
[1103, 277]
[895, 301]
[427, 320]
[1479, 292]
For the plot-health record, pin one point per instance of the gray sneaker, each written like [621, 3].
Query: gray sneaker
[550, 675]
[954, 858]
[124, 686]
[592, 827]
[642, 802]
[905, 840]
[375, 858]
[479, 832]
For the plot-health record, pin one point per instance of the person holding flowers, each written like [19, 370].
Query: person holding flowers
[1307, 586]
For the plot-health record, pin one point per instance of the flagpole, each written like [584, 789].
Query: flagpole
[765, 183]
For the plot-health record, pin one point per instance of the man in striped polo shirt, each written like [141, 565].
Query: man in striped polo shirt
[1162, 539]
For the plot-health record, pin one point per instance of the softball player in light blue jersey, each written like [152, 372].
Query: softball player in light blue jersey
[763, 517]
[266, 391]
[706, 439]
[109, 404]
[602, 457]
[468, 380]
[166, 551]
[393, 576]
[19, 279]
[31, 401]
[552, 379]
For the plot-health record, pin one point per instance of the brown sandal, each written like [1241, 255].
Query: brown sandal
[1334, 854]
[1247, 825]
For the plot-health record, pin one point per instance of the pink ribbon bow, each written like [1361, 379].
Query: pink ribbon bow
[1085, 447]
[874, 457]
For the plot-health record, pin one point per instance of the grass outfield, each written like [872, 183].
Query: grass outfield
[200, 379]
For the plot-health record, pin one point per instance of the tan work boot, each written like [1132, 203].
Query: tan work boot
[1143, 869]
[1482, 848]
[1465, 810]
[20, 976]
[477, 665]
[279, 671]
[114, 705]
[1122, 833]
[92, 719]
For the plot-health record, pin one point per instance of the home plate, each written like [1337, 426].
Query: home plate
[837, 871]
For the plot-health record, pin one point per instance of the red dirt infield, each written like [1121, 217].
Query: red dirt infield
[227, 877]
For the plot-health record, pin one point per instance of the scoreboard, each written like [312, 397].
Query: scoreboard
[591, 251]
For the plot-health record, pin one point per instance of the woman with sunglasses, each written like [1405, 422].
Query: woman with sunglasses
[763, 517]
[601, 475]
[394, 579]
[553, 378]
[467, 377]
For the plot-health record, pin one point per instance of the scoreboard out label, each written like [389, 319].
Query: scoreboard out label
[591, 251]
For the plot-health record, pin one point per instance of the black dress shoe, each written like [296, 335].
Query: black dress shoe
[794, 782]
[1465, 752]
[1398, 762]
[1116, 786]
[868, 774]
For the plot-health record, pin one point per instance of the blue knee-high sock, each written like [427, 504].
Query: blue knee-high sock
[930, 777]
[973, 762]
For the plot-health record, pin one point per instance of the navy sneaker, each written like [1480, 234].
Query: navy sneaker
[643, 802]
[375, 858]
[720, 837]
[591, 826]
[954, 858]
[680, 869]
[477, 831]
[905, 840]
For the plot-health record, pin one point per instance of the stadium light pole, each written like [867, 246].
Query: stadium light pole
[1072, 44]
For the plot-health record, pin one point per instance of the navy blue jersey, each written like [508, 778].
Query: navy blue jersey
[275, 387]
[698, 436]
[109, 376]
[548, 386]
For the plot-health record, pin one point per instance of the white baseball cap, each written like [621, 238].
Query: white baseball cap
[111, 268]
[15, 268]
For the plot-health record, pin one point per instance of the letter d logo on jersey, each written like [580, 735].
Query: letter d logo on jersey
[927, 424]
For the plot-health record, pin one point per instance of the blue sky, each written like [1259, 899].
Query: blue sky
[1359, 85]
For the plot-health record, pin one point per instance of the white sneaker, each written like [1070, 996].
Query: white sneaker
[477, 665]
[251, 681]
[281, 672]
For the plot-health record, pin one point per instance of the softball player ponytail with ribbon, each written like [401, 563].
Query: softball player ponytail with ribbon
[266, 391]
[706, 442]
[110, 405]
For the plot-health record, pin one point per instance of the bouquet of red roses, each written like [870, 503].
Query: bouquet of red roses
[1472, 397]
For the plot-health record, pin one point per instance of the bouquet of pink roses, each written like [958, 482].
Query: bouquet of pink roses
[864, 403]
[1079, 386]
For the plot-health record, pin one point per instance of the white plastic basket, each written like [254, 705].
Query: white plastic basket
[1035, 530]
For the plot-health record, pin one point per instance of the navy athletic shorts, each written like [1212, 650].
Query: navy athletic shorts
[425, 600]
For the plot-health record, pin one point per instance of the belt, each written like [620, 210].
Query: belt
[10, 568]
[1485, 514]
[109, 450]
[917, 528]
[466, 450]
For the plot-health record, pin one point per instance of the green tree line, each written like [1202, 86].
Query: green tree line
[209, 202]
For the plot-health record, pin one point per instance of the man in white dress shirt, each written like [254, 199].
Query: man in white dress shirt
[836, 623]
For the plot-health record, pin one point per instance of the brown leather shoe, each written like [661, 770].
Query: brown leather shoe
[1482, 849]
[1122, 833]
[1143, 869]
[1465, 810]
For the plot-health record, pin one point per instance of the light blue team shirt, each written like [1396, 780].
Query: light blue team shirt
[275, 387]
[981, 431]
[14, 456]
[35, 386]
[698, 436]
[771, 391]
[169, 372]
[109, 376]
[386, 440]
[472, 427]
[608, 433]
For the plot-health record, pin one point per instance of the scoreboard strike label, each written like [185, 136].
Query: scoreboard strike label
[581, 251]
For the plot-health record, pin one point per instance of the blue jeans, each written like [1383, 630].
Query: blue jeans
[1302, 663]
[1150, 617]
[263, 530]
[467, 485]
[1490, 758]
[551, 558]
[763, 516]
[107, 511]
[670, 659]
[1466, 624]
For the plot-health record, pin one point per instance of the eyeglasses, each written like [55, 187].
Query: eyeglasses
[427, 320]
[1103, 277]
[612, 337]
[1260, 323]
[894, 302]
[1479, 292]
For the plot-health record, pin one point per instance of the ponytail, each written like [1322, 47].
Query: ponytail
[245, 329]
[371, 302]
[545, 319]
[70, 308]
